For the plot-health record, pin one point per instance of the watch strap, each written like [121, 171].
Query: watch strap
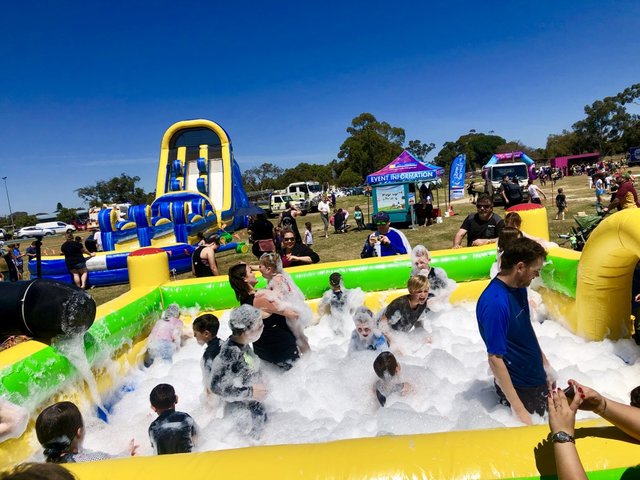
[562, 437]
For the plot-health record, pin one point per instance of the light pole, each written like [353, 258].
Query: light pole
[8, 201]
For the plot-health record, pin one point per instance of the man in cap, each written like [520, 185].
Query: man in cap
[203, 260]
[386, 240]
[626, 195]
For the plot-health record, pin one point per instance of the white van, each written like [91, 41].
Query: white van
[58, 227]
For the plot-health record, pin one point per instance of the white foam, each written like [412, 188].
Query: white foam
[329, 396]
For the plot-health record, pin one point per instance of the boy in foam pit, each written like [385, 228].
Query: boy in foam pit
[421, 265]
[236, 372]
[366, 335]
[165, 337]
[339, 303]
[205, 331]
[172, 431]
[387, 369]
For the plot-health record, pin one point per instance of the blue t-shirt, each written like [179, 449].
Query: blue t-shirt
[505, 326]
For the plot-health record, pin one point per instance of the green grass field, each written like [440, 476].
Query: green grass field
[347, 246]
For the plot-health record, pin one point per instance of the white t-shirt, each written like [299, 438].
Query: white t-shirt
[323, 207]
[533, 191]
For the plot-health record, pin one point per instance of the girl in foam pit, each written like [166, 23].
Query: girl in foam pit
[60, 430]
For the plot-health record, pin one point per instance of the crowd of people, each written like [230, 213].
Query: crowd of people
[269, 326]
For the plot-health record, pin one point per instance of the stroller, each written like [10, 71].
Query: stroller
[586, 224]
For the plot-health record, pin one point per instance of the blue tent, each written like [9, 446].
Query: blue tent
[391, 192]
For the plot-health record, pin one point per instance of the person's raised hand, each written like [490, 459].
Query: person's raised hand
[562, 412]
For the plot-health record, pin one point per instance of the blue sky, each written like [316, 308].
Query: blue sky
[88, 88]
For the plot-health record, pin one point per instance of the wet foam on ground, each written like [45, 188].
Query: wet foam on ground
[329, 396]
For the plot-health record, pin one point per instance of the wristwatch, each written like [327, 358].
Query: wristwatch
[562, 437]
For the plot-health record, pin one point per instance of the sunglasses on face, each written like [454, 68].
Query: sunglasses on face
[288, 239]
[381, 223]
[484, 207]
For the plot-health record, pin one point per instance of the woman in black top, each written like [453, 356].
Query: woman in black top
[262, 236]
[277, 344]
[294, 253]
[74, 259]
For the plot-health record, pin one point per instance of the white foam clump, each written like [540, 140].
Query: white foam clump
[328, 395]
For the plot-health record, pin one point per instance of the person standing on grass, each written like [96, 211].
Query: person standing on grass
[561, 204]
[73, 252]
[535, 192]
[480, 228]
[324, 210]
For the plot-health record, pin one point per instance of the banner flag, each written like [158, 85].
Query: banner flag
[456, 176]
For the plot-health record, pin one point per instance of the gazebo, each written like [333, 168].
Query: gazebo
[394, 186]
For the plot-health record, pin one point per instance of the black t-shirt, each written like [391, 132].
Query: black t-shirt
[277, 344]
[261, 230]
[513, 192]
[73, 253]
[402, 317]
[478, 229]
[172, 432]
[209, 355]
[288, 221]
[299, 250]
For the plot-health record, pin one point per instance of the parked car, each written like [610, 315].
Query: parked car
[57, 227]
[25, 232]
[79, 224]
[3, 234]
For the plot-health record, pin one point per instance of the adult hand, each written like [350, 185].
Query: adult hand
[590, 400]
[457, 246]
[384, 240]
[637, 298]
[480, 241]
[562, 414]
[259, 391]
[373, 239]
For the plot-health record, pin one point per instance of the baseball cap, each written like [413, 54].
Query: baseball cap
[381, 217]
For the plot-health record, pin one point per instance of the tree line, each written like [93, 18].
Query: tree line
[607, 127]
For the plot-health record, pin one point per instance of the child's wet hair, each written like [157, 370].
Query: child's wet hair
[334, 279]
[270, 260]
[385, 365]
[417, 283]
[207, 322]
[243, 318]
[172, 311]
[363, 316]
[163, 396]
[56, 427]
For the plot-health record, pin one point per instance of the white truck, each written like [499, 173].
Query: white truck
[306, 194]
[495, 173]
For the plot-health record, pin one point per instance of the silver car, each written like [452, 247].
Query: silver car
[25, 232]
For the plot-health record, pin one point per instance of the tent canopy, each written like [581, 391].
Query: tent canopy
[404, 169]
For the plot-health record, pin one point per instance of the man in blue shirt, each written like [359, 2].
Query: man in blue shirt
[386, 240]
[516, 360]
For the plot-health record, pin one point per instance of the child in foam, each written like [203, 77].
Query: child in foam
[407, 312]
[236, 372]
[205, 331]
[60, 430]
[166, 336]
[285, 294]
[339, 303]
[366, 335]
[387, 369]
[421, 265]
[172, 431]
